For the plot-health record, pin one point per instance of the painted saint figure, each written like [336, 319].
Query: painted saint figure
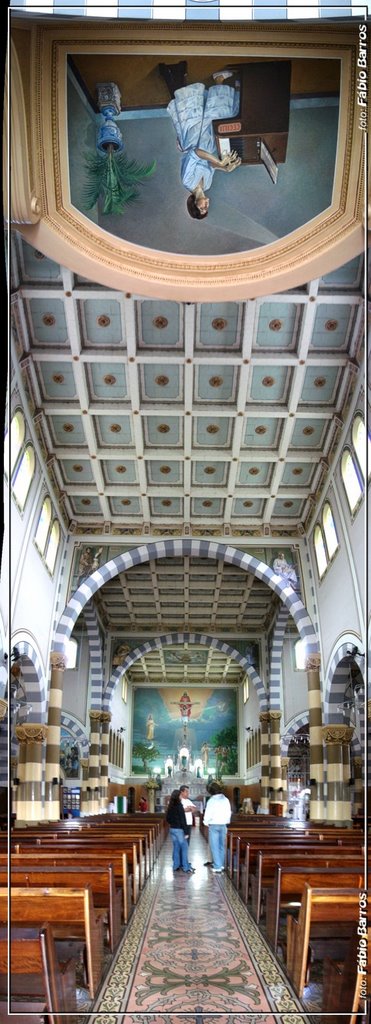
[150, 727]
[192, 112]
[285, 569]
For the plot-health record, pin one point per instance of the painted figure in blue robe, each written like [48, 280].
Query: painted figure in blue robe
[192, 111]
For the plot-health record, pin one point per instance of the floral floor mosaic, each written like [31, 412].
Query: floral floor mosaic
[193, 955]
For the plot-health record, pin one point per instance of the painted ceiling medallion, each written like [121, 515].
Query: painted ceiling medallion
[85, 501]
[77, 469]
[275, 325]
[308, 431]
[38, 255]
[297, 471]
[68, 428]
[49, 320]
[163, 428]
[331, 325]
[109, 379]
[212, 428]
[103, 320]
[58, 378]
[268, 382]
[254, 470]
[166, 502]
[209, 470]
[120, 469]
[165, 469]
[162, 380]
[260, 429]
[160, 322]
[247, 504]
[219, 323]
[319, 382]
[216, 382]
[125, 501]
[207, 504]
[115, 428]
[287, 504]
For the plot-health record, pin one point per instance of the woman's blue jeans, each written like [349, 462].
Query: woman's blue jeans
[180, 849]
[217, 837]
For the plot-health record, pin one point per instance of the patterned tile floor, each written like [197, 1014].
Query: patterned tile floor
[193, 955]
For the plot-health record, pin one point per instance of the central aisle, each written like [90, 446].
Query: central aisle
[192, 949]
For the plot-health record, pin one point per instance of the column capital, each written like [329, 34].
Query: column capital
[95, 715]
[264, 716]
[369, 709]
[3, 708]
[285, 761]
[33, 732]
[105, 716]
[58, 660]
[358, 762]
[84, 761]
[275, 715]
[312, 662]
[332, 734]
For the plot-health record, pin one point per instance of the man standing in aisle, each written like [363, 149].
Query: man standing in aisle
[189, 808]
[217, 816]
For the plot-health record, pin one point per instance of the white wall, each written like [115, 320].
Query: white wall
[294, 685]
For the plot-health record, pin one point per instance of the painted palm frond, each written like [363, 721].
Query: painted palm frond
[115, 178]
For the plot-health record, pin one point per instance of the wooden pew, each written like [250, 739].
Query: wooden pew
[342, 983]
[280, 849]
[263, 878]
[238, 841]
[326, 914]
[59, 858]
[84, 848]
[288, 887]
[71, 914]
[100, 878]
[35, 972]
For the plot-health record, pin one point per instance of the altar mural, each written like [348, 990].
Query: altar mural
[192, 728]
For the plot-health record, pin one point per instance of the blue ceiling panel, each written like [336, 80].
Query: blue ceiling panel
[287, 507]
[162, 431]
[85, 506]
[331, 326]
[207, 507]
[308, 433]
[48, 322]
[215, 433]
[164, 472]
[113, 430]
[262, 432]
[125, 507]
[67, 430]
[119, 472]
[107, 381]
[219, 326]
[254, 474]
[57, 380]
[166, 507]
[76, 471]
[298, 474]
[159, 324]
[216, 384]
[212, 473]
[161, 383]
[244, 507]
[102, 323]
[277, 325]
[38, 267]
[270, 384]
[320, 384]
[347, 276]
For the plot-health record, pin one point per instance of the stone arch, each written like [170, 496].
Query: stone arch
[179, 638]
[77, 732]
[295, 724]
[33, 678]
[337, 678]
[195, 549]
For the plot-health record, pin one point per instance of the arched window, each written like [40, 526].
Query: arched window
[351, 480]
[43, 526]
[359, 441]
[320, 550]
[23, 477]
[71, 649]
[300, 652]
[16, 435]
[52, 548]
[331, 537]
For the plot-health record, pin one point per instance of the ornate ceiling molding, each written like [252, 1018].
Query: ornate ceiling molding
[66, 235]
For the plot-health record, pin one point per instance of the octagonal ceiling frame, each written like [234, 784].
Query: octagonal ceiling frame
[66, 235]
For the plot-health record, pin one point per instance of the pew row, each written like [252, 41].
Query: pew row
[36, 974]
[326, 917]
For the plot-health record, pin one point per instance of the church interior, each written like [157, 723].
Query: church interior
[176, 609]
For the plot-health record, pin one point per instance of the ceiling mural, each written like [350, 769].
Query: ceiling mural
[190, 157]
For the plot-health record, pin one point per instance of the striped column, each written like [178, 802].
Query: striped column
[13, 775]
[94, 757]
[22, 757]
[33, 736]
[275, 780]
[347, 802]
[316, 812]
[358, 797]
[264, 786]
[105, 717]
[285, 795]
[333, 736]
[84, 762]
[52, 764]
